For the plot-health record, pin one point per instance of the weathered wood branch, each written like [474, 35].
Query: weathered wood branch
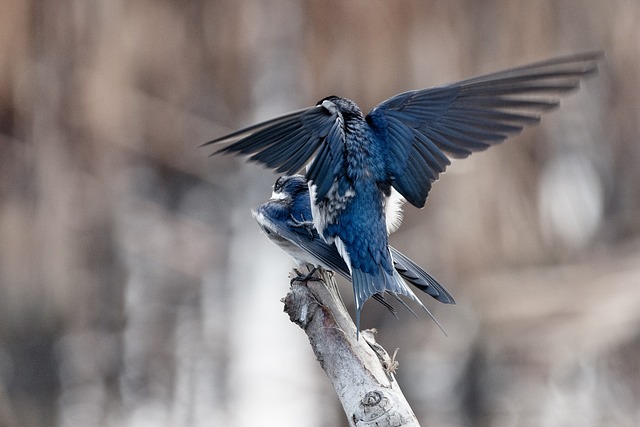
[360, 369]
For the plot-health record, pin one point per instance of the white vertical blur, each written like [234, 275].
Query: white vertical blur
[571, 200]
[272, 375]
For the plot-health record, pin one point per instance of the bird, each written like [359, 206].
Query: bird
[361, 169]
[287, 221]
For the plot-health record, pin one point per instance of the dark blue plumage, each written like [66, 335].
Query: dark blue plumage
[287, 220]
[404, 143]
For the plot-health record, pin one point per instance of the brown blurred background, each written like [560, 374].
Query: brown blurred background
[136, 290]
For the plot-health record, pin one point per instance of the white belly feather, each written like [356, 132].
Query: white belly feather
[393, 210]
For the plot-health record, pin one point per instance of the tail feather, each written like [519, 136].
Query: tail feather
[419, 278]
[363, 289]
[366, 285]
[400, 287]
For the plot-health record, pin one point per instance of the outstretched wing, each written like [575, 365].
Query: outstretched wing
[425, 127]
[289, 142]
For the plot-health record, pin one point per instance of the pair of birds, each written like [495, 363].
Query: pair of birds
[287, 221]
[360, 169]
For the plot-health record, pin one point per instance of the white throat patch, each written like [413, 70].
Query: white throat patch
[278, 196]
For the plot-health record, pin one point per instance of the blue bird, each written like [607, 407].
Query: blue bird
[355, 164]
[287, 221]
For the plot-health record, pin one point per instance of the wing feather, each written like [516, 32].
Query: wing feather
[289, 142]
[458, 119]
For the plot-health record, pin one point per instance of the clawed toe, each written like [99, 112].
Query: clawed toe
[309, 277]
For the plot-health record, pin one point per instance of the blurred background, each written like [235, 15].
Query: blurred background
[136, 290]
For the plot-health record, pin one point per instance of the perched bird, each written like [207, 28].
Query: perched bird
[287, 220]
[354, 161]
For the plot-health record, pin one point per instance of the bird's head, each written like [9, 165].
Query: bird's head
[288, 188]
[346, 107]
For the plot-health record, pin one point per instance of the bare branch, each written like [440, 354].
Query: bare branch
[360, 369]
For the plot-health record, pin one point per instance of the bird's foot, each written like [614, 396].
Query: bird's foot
[309, 277]
[307, 225]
